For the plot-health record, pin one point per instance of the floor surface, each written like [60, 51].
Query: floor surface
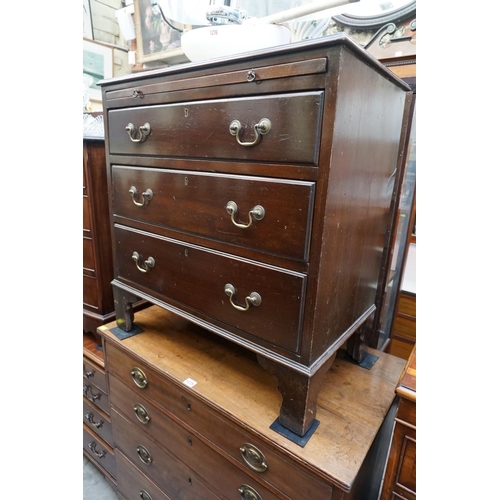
[95, 485]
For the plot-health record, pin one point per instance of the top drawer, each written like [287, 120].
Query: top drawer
[279, 128]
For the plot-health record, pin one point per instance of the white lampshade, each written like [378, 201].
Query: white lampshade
[126, 23]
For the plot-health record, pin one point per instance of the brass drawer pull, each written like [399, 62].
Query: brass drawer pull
[147, 196]
[144, 454]
[139, 377]
[92, 397]
[253, 457]
[89, 373]
[145, 495]
[144, 131]
[142, 414]
[98, 454]
[256, 213]
[149, 263]
[261, 128]
[253, 299]
[90, 417]
[248, 493]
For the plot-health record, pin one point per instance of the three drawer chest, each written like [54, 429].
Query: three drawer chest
[252, 196]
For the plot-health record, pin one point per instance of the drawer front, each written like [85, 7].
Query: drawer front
[197, 278]
[184, 444]
[172, 476]
[99, 451]
[90, 292]
[86, 214]
[202, 129]
[95, 395]
[98, 421]
[95, 375]
[88, 254]
[407, 412]
[134, 483]
[229, 438]
[407, 305]
[197, 203]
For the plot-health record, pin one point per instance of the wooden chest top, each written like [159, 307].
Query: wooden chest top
[229, 382]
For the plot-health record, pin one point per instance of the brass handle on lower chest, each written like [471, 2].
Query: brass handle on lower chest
[92, 397]
[149, 263]
[139, 377]
[90, 417]
[144, 131]
[261, 128]
[253, 299]
[145, 495]
[248, 493]
[253, 457]
[144, 454]
[142, 414]
[98, 454]
[147, 196]
[256, 213]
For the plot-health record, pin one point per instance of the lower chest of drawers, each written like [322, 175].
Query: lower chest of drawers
[192, 418]
[97, 429]
[184, 454]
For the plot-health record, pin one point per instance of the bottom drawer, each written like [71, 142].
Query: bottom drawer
[99, 451]
[178, 480]
[133, 483]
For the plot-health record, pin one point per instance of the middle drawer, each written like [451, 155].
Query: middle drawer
[270, 215]
[218, 285]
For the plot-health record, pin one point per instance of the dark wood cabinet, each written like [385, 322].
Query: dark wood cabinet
[98, 306]
[192, 415]
[253, 196]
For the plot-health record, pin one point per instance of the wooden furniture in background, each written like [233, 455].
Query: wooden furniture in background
[98, 306]
[401, 474]
[98, 444]
[395, 46]
[252, 196]
[404, 326]
[191, 416]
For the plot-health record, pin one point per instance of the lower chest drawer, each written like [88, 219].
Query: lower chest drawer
[133, 483]
[98, 421]
[258, 459]
[99, 451]
[171, 475]
[94, 374]
[96, 396]
[242, 294]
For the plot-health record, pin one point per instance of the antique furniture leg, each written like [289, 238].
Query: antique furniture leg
[299, 392]
[123, 307]
[355, 346]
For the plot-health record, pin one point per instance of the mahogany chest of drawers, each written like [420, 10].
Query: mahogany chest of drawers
[98, 307]
[191, 415]
[98, 445]
[252, 196]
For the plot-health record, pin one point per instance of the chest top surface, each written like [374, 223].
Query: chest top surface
[229, 380]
